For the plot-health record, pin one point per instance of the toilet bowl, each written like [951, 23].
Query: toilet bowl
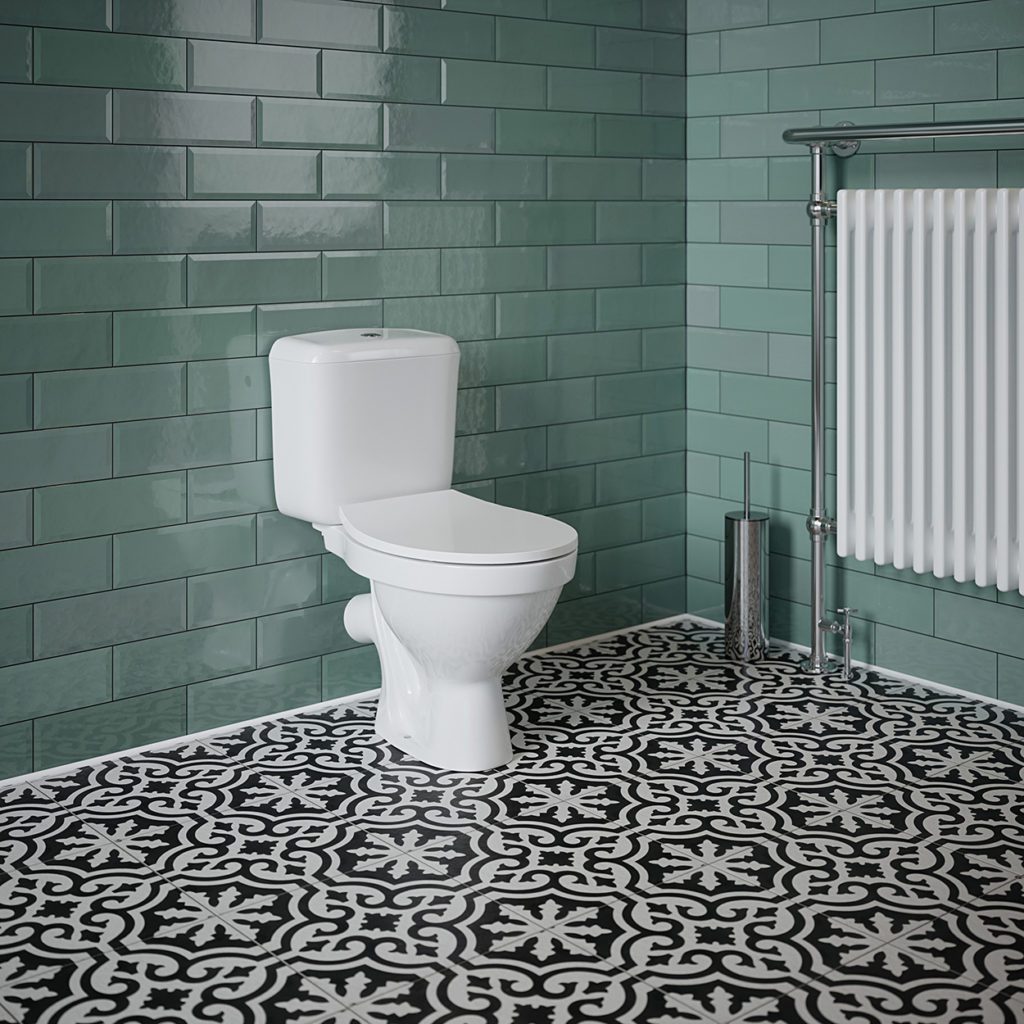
[363, 427]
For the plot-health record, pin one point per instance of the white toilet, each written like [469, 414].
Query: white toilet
[364, 432]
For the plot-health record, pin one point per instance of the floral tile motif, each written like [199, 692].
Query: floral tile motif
[679, 838]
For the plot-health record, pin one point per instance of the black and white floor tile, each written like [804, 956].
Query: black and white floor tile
[678, 839]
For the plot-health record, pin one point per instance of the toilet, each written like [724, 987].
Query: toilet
[364, 434]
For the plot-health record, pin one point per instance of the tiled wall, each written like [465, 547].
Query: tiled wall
[756, 67]
[182, 181]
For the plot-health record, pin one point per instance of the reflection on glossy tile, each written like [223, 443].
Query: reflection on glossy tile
[381, 273]
[80, 284]
[249, 68]
[109, 172]
[238, 173]
[381, 175]
[112, 60]
[352, 26]
[176, 334]
[229, 19]
[381, 76]
[172, 119]
[183, 442]
[319, 124]
[325, 225]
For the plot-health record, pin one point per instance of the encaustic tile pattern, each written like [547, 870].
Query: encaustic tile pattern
[679, 839]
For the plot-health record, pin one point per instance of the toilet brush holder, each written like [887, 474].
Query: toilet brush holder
[746, 580]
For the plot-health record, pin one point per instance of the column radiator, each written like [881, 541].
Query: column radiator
[930, 374]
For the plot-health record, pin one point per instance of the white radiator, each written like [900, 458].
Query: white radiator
[930, 434]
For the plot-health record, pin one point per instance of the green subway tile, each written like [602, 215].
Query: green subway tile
[15, 54]
[704, 558]
[938, 660]
[108, 59]
[1011, 170]
[664, 95]
[771, 398]
[575, 444]
[759, 134]
[43, 228]
[410, 126]
[170, 552]
[382, 273]
[438, 33]
[771, 46]
[224, 385]
[320, 124]
[410, 225]
[1010, 73]
[789, 444]
[250, 68]
[329, 23]
[109, 172]
[474, 412]
[493, 177]
[15, 286]
[16, 403]
[628, 50]
[897, 604]
[381, 76]
[737, 178]
[664, 347]
[728, 264]
[787, 177]
[219, 19]
[1011, 679]
[703, 54]
[538, 42]
[720, 434]
[108, 506]
[549, 493]
[520, 8]
[702, 137]
[183, 442]
[739, 92]
[15, 636]
[15, 519]
[829, 85]
[544, 402]
[237, 173]
[625, 13]
[664, 598]
[194, 226]
[649, 306]
[117, 616]
[381, 175]
[640, 222]
[505, 453]
[325, 225]
[193, 656]
[664, 179]
[703, 221]
[560, 312]
[664, 264]
[73, 397]
[614, 92]
[120, 725]
[591, 616]
[275, 322]
[38, 458]
[702, 305]
[466, 317]
[935, 170]
[804, 10]
[505, 269]
[15, 170]
[220, 491]
[979, 110]
[49, 571]
[593, 178]
[629, 393]
[770, 223]
[711, 15]
[580, 355]
[170, 335]
[339, 581]
[279, 537]
[476, 83]
[664, 516]
[740, 351]
[307, 633]
[664, 15]
[646, 477]
[875, 36]
[704, 515]
[253, 694]
[547, 223]
[548, 133]
[182, 119]
[593, 266]
[939, 79]
[85, 283]
[606, 527]
[639, 563]
[350, 672]
[985, 624]
[221, 280]
[54, 685]
[995, 23]
[751, 309]
[626, 135]
[44, 113]
[256, 590]
[508, 361]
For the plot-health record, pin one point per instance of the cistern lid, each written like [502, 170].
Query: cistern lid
[359, 344]
[449, 526]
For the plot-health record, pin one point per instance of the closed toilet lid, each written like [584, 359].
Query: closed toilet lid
[448, 526]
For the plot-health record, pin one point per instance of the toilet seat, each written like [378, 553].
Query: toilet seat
[446, 542]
